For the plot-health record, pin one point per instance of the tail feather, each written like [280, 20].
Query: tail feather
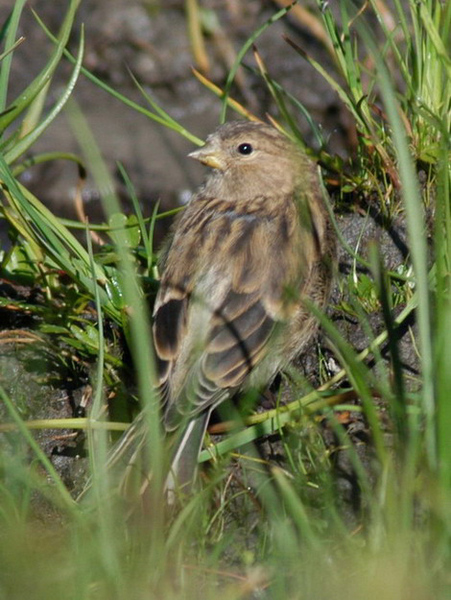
[128, 462]
[184, 461]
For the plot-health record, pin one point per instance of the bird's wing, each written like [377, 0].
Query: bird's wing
[221, 296]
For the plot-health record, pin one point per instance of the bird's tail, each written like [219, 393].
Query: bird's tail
[182, 473]
[129, 465]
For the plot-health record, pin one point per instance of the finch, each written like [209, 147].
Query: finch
[252, 244]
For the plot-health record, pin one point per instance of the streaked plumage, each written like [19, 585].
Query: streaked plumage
[251, 244]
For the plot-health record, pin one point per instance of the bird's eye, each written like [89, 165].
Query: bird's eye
[245, 149]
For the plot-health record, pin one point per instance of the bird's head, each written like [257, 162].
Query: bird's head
[251, 159]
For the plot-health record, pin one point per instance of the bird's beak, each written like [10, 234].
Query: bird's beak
[210, 156]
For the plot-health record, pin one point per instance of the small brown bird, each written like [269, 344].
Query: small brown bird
[251, 245]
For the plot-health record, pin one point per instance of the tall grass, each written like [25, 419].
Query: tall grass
[277, 532]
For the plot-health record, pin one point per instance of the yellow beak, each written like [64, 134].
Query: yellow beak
[210, 156]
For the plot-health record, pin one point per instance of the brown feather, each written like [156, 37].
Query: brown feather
[248, 248]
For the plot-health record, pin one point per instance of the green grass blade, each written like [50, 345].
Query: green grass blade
[165, 120]
[137, 327]
[43, 229]
[436, 39]
[29, 139]
[147, 237]
[241, 54]
[5, 67]
[443, 313]
[30, 93]
[417, 237]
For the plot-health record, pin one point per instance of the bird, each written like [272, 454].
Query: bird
[243, 256]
